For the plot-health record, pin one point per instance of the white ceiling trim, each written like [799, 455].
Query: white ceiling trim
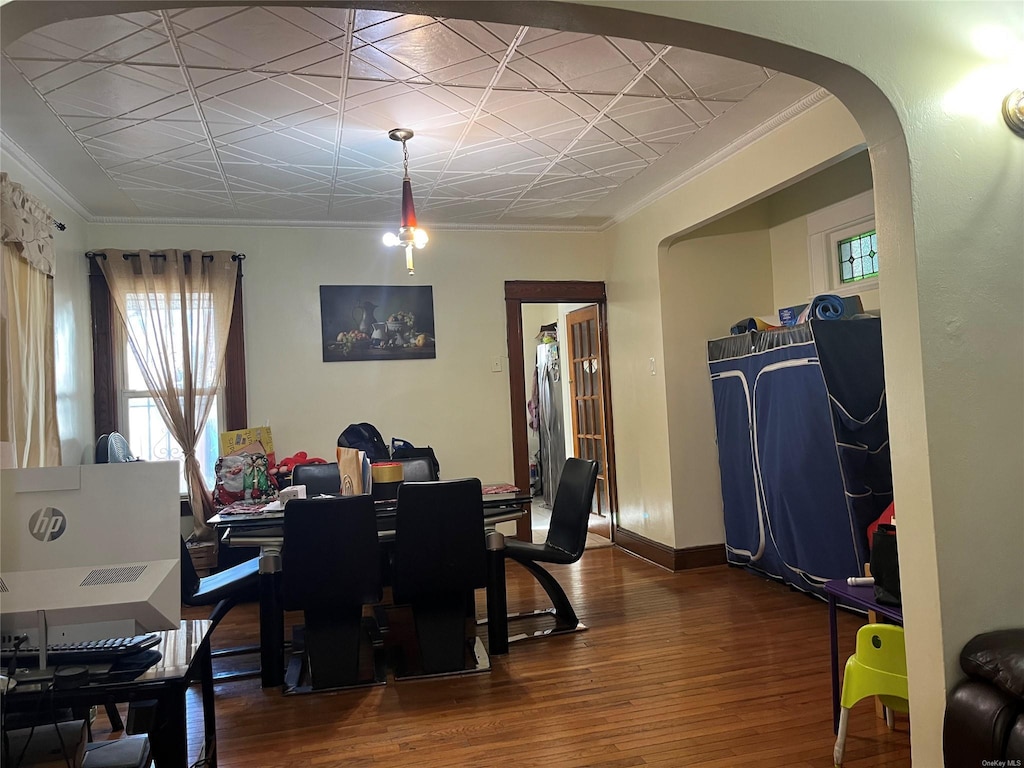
[198, 104]
[50, 184]
[717, 158]
[448, 227]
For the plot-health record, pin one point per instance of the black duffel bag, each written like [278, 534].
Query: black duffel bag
[885, 565]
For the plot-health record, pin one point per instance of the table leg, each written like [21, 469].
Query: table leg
[497, 600]
[271, 619]
[834, 643]
[169, 737]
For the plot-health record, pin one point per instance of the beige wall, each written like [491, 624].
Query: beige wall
[637, 303]
[707, 285]
[455, 402]
[72, 336]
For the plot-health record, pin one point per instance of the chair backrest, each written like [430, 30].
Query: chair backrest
[882, 647]
[571, 510]
[439, 539]
[331, 555]
[189, 577]
[318, 478]
[419, 469]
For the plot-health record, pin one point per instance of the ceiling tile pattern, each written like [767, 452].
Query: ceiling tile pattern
[283, 113]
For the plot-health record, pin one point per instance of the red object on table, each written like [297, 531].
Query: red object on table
[500, 488]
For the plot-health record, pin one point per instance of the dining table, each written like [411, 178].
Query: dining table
[262, 526]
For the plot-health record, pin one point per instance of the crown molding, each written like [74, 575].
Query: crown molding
[718, 157]
[54, 187]
[292, 223]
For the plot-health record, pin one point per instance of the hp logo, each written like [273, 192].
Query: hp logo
[47, 524]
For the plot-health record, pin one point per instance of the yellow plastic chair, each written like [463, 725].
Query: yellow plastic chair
[877, 668]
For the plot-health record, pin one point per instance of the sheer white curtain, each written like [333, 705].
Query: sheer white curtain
[28, 397]
[175, 307]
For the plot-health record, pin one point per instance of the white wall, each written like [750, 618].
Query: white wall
[707, 285]
[454, 403]
[72, 335]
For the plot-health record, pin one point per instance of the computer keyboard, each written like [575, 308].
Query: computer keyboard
[86, 652]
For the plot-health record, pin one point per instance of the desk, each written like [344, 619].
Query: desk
[265, 530]
[185, 657]
[841, 593]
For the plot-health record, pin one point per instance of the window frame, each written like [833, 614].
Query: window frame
[107, 400]
[825, 229]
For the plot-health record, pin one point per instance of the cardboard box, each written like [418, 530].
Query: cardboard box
[249, 440]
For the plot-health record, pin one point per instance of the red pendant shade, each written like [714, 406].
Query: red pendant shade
[408, 211]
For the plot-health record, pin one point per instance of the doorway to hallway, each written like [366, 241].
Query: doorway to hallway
[559, 395]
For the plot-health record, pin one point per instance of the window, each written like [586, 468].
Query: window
[843, 247]
[123, 403]
[140, 419]
[858, 257]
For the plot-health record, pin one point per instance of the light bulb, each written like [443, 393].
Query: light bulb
[390, 239]
[420, 238]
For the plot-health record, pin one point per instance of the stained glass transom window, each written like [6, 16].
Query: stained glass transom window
[858, 257]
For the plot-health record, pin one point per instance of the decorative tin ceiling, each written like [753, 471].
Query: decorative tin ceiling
[282, 113]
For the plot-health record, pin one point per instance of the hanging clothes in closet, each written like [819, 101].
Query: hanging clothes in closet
[551, 431]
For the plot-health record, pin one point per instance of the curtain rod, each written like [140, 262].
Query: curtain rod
[102, 255]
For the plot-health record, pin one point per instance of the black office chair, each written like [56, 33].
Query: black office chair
[318, 478]
[418, 470]
[223, 590]
[330, 569]
[567, 536]
[439, 561]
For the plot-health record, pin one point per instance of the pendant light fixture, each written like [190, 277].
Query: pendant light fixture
[409, 235]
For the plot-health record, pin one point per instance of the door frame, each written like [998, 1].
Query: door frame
[517, 293]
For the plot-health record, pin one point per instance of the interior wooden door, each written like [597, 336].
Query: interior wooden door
[587, 401]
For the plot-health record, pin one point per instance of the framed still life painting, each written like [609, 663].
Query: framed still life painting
[377, 322]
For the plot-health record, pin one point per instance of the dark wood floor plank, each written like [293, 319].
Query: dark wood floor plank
[712, 667]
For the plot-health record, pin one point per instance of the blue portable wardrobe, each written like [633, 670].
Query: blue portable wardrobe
[803, 447]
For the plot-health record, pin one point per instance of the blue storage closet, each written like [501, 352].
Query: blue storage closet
[803, 447]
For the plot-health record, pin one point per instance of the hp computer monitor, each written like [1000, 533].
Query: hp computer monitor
[90, 551]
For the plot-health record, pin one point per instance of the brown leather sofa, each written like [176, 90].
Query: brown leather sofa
[984, 723]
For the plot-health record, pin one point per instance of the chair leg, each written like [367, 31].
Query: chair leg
[565, 617]
[441, 634]
[332, 646]
[844, 721]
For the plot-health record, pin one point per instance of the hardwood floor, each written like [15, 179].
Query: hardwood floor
[712, 667]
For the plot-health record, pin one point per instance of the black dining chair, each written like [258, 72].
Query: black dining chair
[567, 536]
[417, 470]
[439, 561]
[330, 566]
[318, 478]
[223, 590]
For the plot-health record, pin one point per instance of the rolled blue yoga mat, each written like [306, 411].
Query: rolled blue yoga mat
[828, 307]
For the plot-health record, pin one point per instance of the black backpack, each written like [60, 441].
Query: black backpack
[365, 437]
